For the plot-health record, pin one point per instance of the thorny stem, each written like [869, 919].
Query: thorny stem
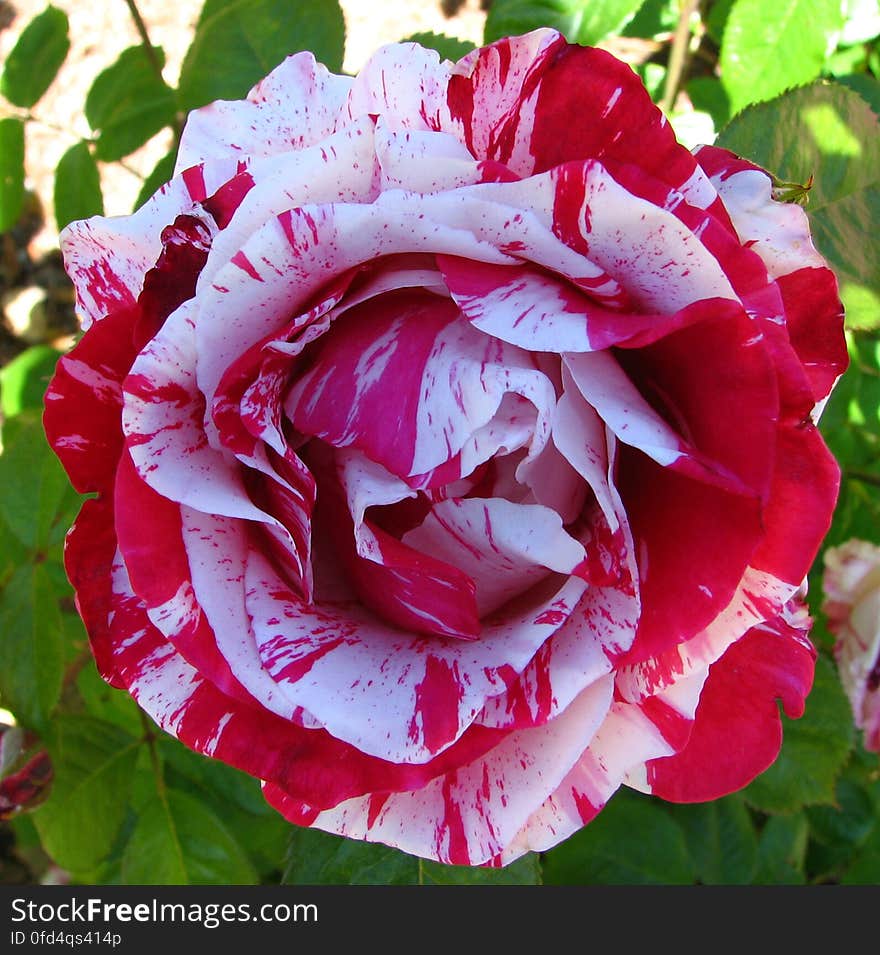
[678, 54]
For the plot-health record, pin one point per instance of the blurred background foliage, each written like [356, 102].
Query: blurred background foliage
[89, 792]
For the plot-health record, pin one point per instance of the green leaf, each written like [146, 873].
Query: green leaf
[865, 868]
[654, 17]
[235, 797]
[709, 96]
[32, 646]
[162, 172]
[449, 47]
[849, 821]
[93, 763]
[524, 871]
[179, 841]
[829, 132]
[319, 858]
[814, 750]
[851, 426]
[782, 849]
[633, 841]
[768, 49]
[721, 839]
[77, 186]
[41, 495]
[11, 171]
[128, 103]
[716, 21]
[105, 702]
[12, 553]
[35, 59]
[238, 42]
[865, 85]
[580, 21]
[23, 381]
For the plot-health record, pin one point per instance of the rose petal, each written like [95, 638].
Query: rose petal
[737, 730]
[297, 105]
[386, 691]
[468, 817]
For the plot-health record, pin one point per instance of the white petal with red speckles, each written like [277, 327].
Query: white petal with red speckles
[759, 597]
[608, 389]
[417, 103]
[450, 381]
[107, 258]
[422, 161]
[625, 741]
[341, 168]
[296, 105]
[388, 692]
[163, 420]
[217, 549]
[655, 257]
[778, 231]
[503, 547]
[503, 101]
[295, 254]
[468, 817]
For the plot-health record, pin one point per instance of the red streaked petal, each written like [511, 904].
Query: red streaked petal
[468, 817]
[737, 730]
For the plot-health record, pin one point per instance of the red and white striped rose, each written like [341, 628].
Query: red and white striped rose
[452, 435]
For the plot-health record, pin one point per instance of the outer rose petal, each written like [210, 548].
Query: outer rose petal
[737, 730]
[387, 691]
[107, 258]
[468, 817]
[295, 106]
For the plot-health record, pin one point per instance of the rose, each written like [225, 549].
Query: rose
[451, 430]
[851, 586]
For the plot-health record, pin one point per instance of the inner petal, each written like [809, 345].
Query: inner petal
[505, 548]
[447, 379]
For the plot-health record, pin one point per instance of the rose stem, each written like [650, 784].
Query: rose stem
[678, 54]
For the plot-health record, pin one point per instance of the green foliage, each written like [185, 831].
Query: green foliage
[721, 839]
[237, 42]
[11, 171]
[851, 427]
[771, 48]
[162, 172]
[77, 186]
[782, 849]
[93, 763]
[24, 380]
[129, 103]
[177, 840]
[35, 59]
[581, 21]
